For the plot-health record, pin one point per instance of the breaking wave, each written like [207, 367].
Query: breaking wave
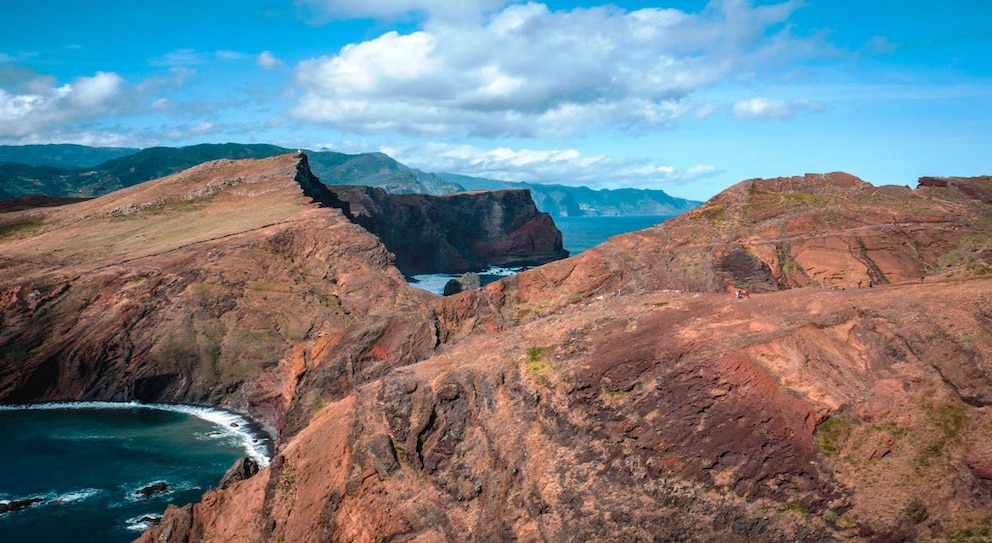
[248, 434]
[434, 282]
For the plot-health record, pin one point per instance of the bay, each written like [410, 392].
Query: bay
[104, 471]
[578, 234]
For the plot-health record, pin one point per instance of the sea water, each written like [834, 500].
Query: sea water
[89, 462]
[578, 234]
[581, 233]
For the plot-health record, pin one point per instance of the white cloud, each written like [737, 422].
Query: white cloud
[335, 9]
[564, 166]
[880, 45]
[96, 91]
[764, 109]
[191, 57]
[94, 138]
[529, 71]
[224, 54]
[180, 57]
[31, 103]
[268, 60]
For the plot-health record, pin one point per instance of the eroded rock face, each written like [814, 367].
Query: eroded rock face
[456, 233]
[622, 418]
[620, 395]
[224, 285]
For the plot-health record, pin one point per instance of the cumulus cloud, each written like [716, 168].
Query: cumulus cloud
[267, 60]
[565, 166]
[31, 102]
[764, 109]
[528, 71]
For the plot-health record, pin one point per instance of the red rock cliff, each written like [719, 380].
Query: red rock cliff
[456, 233]
[619, 395]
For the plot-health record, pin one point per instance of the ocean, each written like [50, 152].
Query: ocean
[105, 471]
[578, 234]
[581, 233]
[97, 467]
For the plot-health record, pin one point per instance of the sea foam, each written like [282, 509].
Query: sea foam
[435, 282]
[255, 443]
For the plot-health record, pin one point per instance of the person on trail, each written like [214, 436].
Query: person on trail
[871, 283]
[747, 294]
[859, 283]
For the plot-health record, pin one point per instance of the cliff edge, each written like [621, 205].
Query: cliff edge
[624, 394]
[455, 233]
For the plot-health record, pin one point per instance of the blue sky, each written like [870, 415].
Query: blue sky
[685, 96]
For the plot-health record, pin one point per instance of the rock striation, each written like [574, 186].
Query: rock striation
[456, 233]
[619, 395]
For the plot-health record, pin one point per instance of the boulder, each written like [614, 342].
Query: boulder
[17, 505]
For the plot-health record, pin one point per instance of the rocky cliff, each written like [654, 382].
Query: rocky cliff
[74, 170]
[455, 233]
[619, 395]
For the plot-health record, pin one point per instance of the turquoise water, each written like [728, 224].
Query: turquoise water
[581, 233]
[89, 463]
[577, 233]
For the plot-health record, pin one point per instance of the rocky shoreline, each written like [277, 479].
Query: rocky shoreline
[622, 394]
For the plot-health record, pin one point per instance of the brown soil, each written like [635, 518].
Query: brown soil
[624, 394]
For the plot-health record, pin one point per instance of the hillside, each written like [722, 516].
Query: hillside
[63, 155]
[28, 172]
[566, 201]
[624, 394]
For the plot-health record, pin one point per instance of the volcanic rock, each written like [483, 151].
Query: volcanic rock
[17, 505]
[555, 409]
[456, 233]
[623, 394]
[154, 489]
[241, 470]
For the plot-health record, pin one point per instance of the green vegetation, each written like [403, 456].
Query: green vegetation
[979, 268]
[287, 479]
[536, 354]
[713, 214]
[535, 358]
[802, 197]
[796, 508]
[969, 247]
[755, 191]
[830, 517]
[25, 227]
[951, 422]
[536, 364]
[530, 310]
[832, 433]
[979, 533]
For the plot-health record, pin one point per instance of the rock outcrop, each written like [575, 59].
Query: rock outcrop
[220, 285]
[455, 233]
[619, 395]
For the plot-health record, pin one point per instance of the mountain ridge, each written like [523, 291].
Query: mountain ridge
[52, 178]
[623, 394]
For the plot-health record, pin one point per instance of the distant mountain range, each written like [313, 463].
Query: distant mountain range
[64, 170]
